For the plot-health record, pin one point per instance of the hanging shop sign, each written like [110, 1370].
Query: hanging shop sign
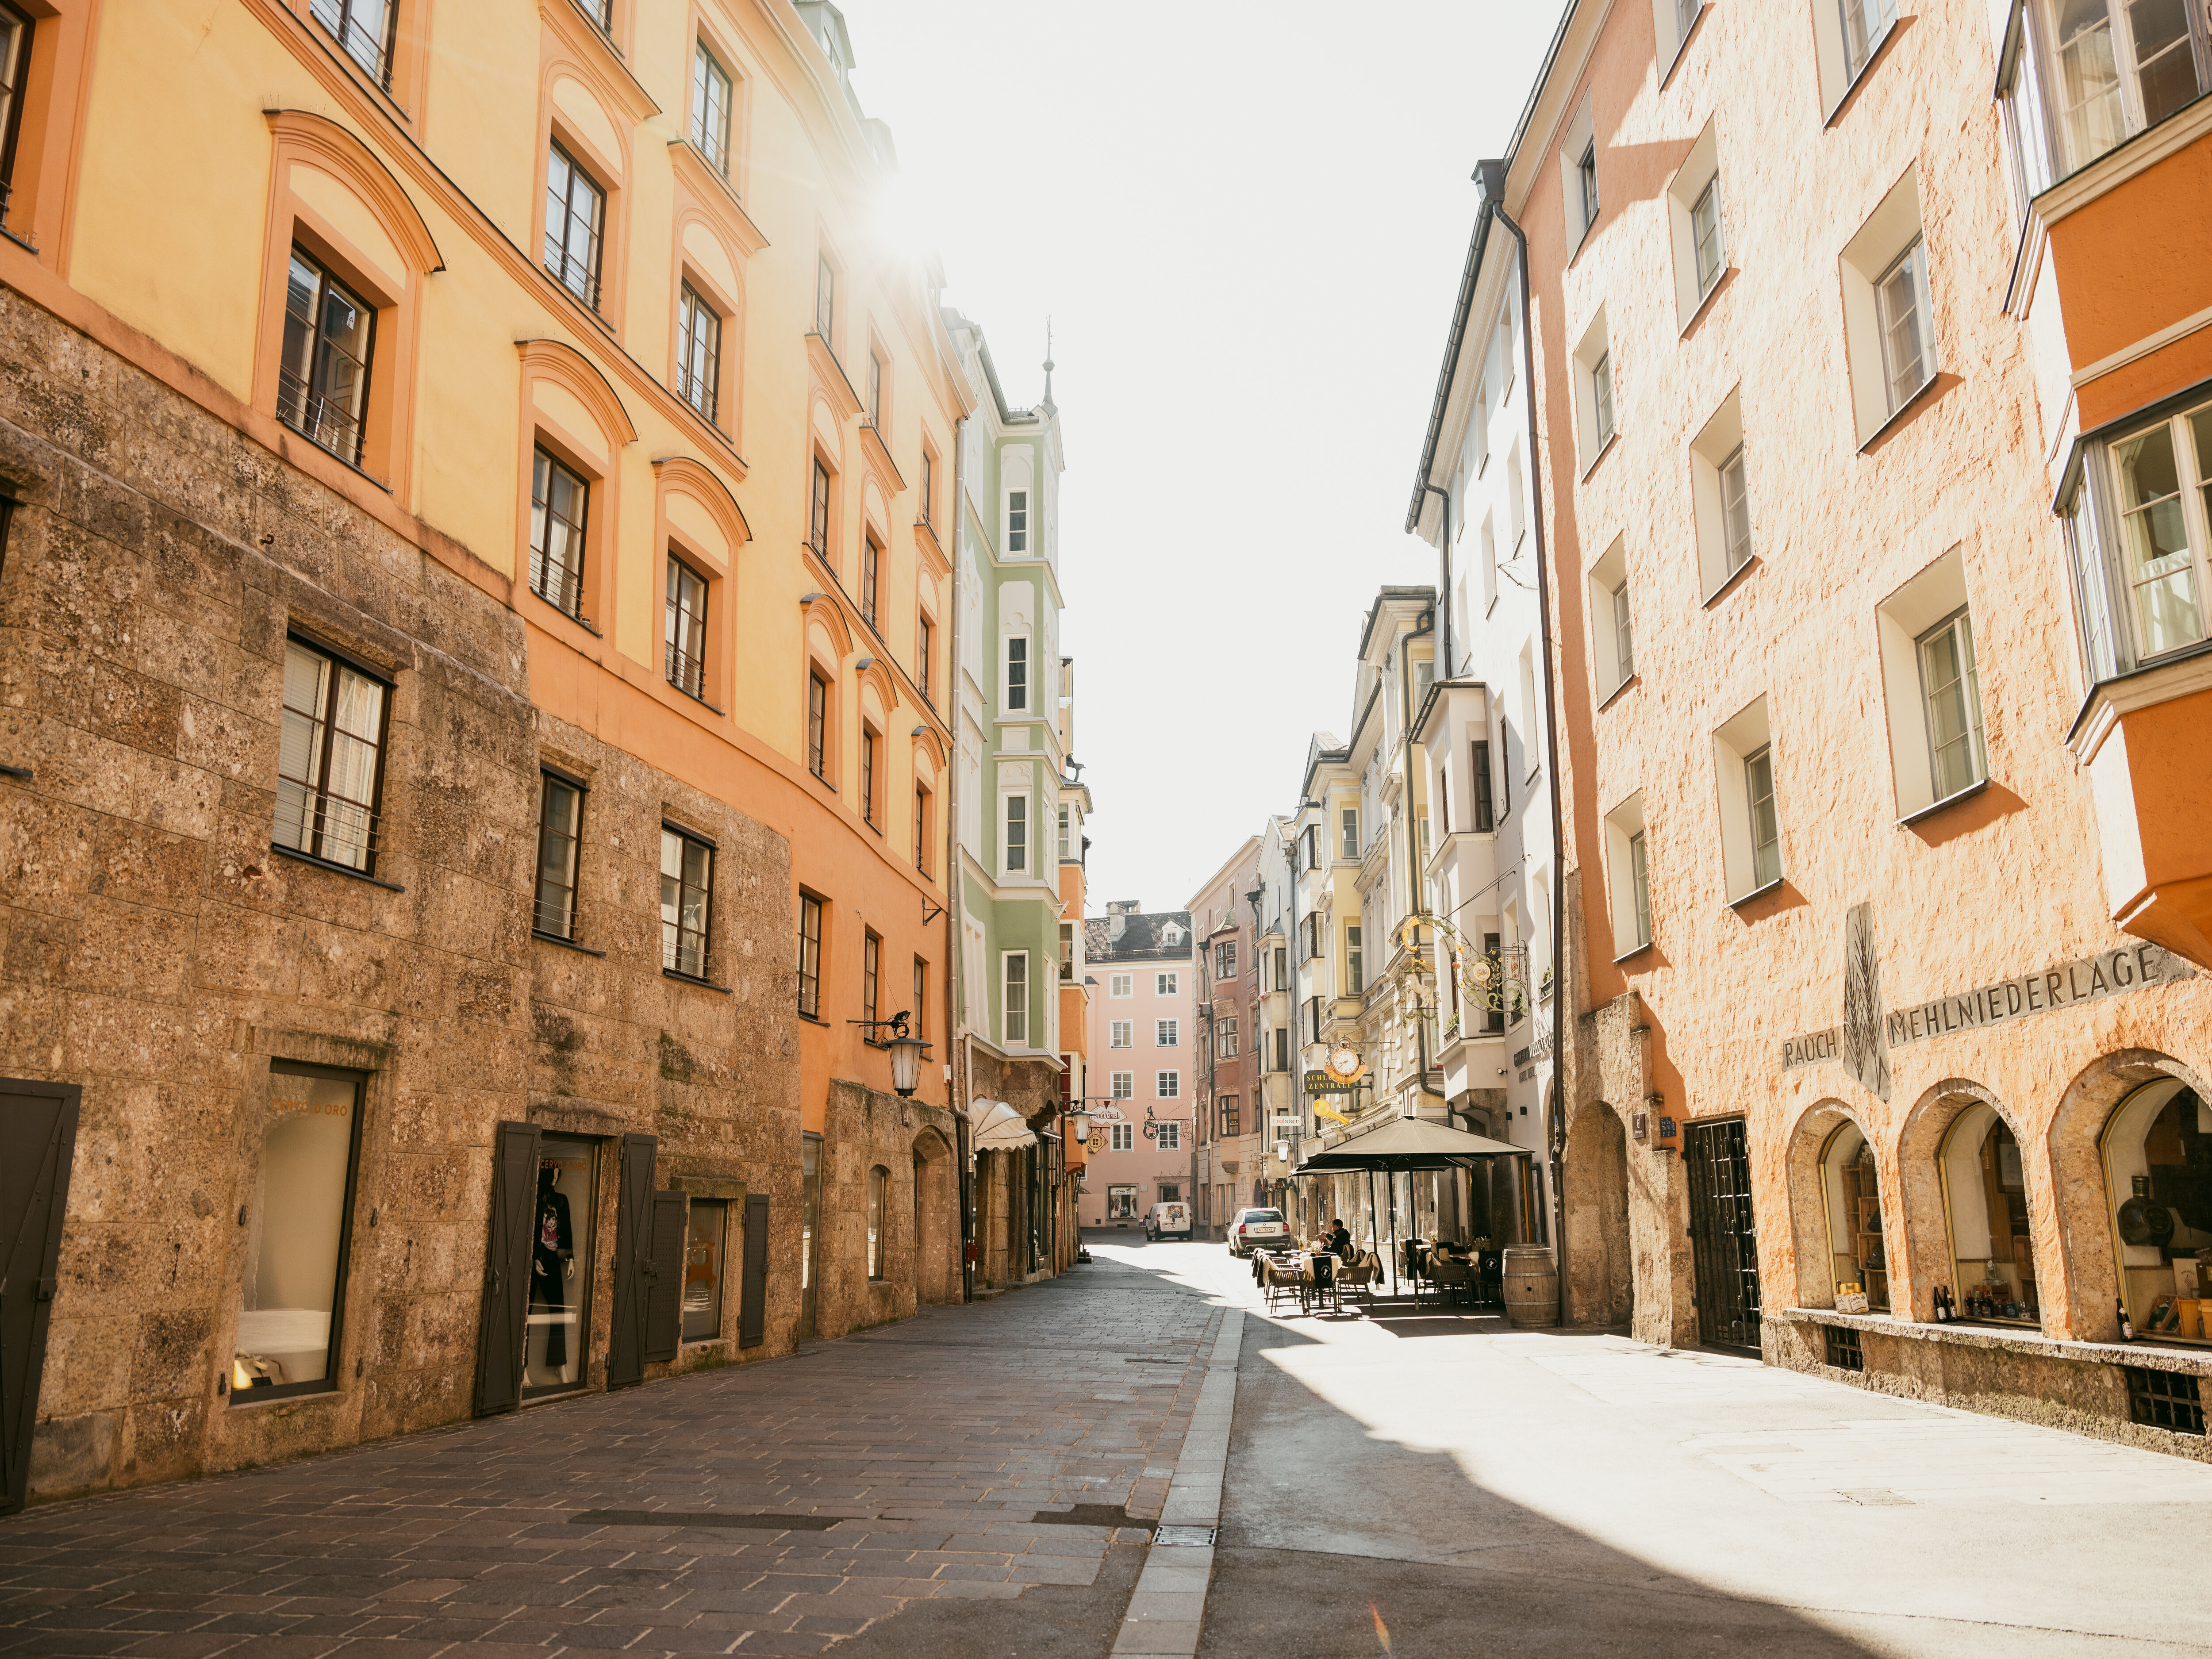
[1870, 1030]
[1342, 1073]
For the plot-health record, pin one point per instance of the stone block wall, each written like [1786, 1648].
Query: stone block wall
[912, 1143]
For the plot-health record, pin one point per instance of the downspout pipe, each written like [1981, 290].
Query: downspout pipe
[1555, 1107]
[1445, 590]
[1413, 873]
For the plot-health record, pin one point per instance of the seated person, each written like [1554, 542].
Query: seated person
[1336, 1241]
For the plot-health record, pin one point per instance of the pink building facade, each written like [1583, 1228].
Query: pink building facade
[1144, 1066]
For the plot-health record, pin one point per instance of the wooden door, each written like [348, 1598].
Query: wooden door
[38, 1136]
[664, 1272]
[627, 1341]
[500, 1326]
[752, 1296]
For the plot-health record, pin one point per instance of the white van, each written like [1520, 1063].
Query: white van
[1168, 1221]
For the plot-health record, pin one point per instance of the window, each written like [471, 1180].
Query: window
[1228, 1115]
[1017, 1003]
[1282, 1049]
[705, 1243]
[871, 562]
[1310, 927]
[1614, 656]
[817, 512]
[1578, 175]
[1629, 876]
[1224, 959]
[687, 866]
[1348, 833]
[880, 1182]
[1167, 1033]
[1697, 226]
[1311, 835]
[818, 726]
[330, 759]
[869, 744]
[872, 962]
[2119, 66]
[560, 822]
[1864, 24]
[1017, 675]
[921, 829]
[875, 400]
[1602, 393]
[1282, 968]
[1017, 833]
[1067, 952]
[1983, 1175]
[1705, 235]
[810, 956]
[825, 299]
[558, 499]
[1489, 555]
[1751, 835]
[1720, 497]
[1017, 521]
[1672, 20]
[1586, 183]
[1224, 1039]
[923, 632]
[1485, 819]
[1355, 973]
[322, 381]
[1926, 639]
[710, 108]
[1066, 813]
[1122, 1137]
[920, 997]
[364, 28]
[298, 1226]
[1491, 997]
[1122, 1086]
[698, 352]
[1120, 985]
[1593, 373]
[1847, 35]
[1313, 1019]
[1166, 985]
[575, 223]
[927, 490]
[1170, 1138]
[1168, 1086]
[1889, 325]
[686, 631]
[2165, 501]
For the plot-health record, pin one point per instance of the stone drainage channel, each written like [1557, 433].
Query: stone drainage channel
[1168, 1604]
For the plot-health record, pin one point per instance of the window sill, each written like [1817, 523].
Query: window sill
[566, 616]
[20, 773]
[320, 449]
[1607, 701]
[1737, 575]
[1933, 808]
[565, 944]
[1705, 300]
[812, 1019]
[1603, 450]
[693, 979]
[1627, 957]
[694, 696]
[334, 867]
[1758, 892]
[1901, 411]
[1682, 50]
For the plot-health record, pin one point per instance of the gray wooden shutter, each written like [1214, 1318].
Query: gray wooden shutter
[633, 1260]
[663, 1293]
[501, 1332]
[752, 1304]
[38, 1136]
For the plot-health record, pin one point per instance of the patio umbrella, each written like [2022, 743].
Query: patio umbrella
[1409, 1144]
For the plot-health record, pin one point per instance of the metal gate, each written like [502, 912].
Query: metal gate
[1723, 1238]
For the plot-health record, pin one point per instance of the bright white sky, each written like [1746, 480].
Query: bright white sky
[1246, 222]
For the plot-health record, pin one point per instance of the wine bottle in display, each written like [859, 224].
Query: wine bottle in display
[2127, 1330]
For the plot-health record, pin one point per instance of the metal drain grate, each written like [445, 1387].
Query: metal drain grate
[1844, 1352]
[709, 1518]
[2165, 1400]
[1184, 1537]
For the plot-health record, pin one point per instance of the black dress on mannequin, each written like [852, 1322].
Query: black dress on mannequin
[549, 1253]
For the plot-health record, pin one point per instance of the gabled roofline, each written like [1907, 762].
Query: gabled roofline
[1419, 593]
[1251, 845]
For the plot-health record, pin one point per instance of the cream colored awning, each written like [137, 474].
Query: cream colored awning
[998, 1127]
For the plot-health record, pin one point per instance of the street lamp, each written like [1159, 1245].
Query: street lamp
[1079, 1123]
[906, 1052]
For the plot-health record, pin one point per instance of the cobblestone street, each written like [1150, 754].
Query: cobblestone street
[912, 1462]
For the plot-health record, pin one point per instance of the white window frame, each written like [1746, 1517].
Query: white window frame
[1672, 21]
[1012, 1015]
[1720, 498]
[1612, 656]
[1841, 53]
[1167, 1034]
[1933, 596]
[1890, 232]
[1225, 1037]
[1697, 182]
[2078, 150]
[1347, 832]
[1629, 876]
[1121, 1034]
[1011, 802]
[1167, 1085]
[2189, 434]
[1122, 1086]
[1166, 984]
[1170, 1134]
[1596, 427]
[1737, 744]
[1120, 985]
[1020, 512]
[1014, 687]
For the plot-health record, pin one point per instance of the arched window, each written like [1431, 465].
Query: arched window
[1985, 1206]
[2157, 1151]
[879, 1181]
[1851, 1201]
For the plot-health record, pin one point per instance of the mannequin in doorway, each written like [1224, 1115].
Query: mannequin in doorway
[552, 1264]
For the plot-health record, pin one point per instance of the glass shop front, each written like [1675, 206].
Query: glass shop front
[2157, 1151]
[1985, 1208]
[556, 1328]
[1852, 1199]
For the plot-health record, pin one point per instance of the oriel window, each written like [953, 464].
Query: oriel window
[363, 29]
[810, 956]
[330, 759]
[1953, 699]
[298, 1223]
[686, 629]
[558, 502]
[2120, 66]
[575, 223]
[698, 353]
[1017, 675]
[687, 875]
[322, 380]
[559, 823]
[2165, 528]
[710, 108]
[818, 727]
[1017, 832]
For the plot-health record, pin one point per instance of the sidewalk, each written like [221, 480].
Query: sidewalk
[918, 1454]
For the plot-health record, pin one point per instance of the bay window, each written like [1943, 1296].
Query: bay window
[2139, 520]
[2115, 67]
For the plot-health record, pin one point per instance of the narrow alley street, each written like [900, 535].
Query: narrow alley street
[983, 1480]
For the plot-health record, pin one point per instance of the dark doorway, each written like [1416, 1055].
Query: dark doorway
[37, 1134]
[1724, 1240]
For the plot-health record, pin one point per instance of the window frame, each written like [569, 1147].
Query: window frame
[1120, 985]
[1355, 961]
[818, 724]
[1958, 628]
[2135, 118]
[872, 982]
[1017, 657]
[1167, 1085]
[879, 1222]
[676, 620]
[313, 388]
[812, 907]
[1121, 1034]
[592, 295]
[1017, 523]
[1170, 1138]
[870, 742]
[546, 469]
[549, 780]
[1167, 983]
[1014, 833]
[1013, 1013]
[1167, 1033]
[1225, 1037]
[701, 388]
[706, 64]
[312, 847]
[341, 30]
[672, 946]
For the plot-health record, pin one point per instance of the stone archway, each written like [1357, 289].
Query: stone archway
[1927, 1222]
[1600, 1259]
[936, 1204]
[2086, 1247]
[1812, 1223]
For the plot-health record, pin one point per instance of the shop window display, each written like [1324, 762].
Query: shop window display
[703, 1254]
[554, 1328]
[1851, 1196]
[2158, 1184]
[1985, 1204]
[298, 1222]
[810, 1162]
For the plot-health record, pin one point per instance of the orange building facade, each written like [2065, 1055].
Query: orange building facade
[512, 501]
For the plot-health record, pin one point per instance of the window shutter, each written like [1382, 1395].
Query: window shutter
[664, 1291]
[506, 1269]
[752, 1306]
[633, 1260]
[38, 1137]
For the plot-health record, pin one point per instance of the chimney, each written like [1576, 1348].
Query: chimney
[1125, 907]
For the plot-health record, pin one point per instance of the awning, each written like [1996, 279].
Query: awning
[1409, 1143]
[998, 1127]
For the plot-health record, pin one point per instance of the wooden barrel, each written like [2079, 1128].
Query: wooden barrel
[1532, 1286]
